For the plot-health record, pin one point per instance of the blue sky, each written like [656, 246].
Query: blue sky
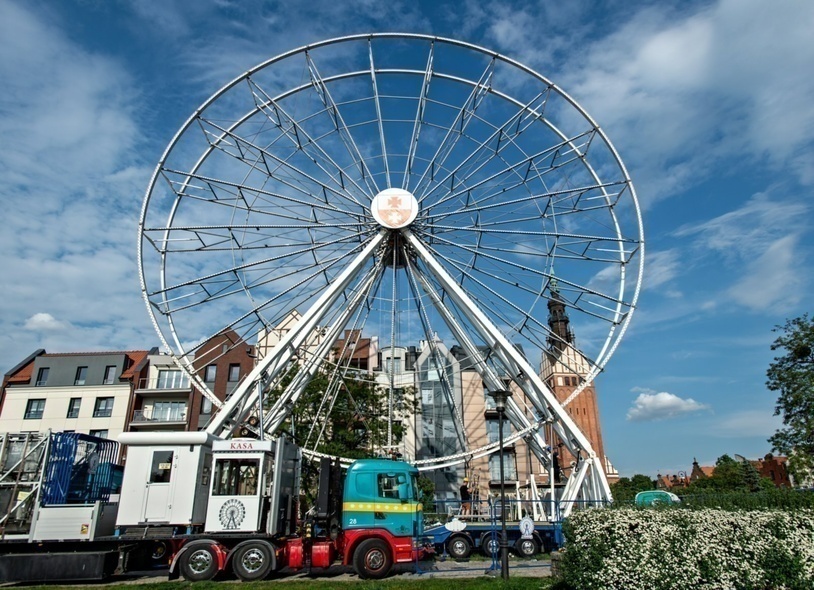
[710, 104]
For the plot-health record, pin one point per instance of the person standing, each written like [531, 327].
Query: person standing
[466, 498]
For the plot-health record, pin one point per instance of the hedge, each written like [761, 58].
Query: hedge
[646, 549]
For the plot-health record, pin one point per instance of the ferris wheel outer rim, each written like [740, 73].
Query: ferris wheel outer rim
[631, 303]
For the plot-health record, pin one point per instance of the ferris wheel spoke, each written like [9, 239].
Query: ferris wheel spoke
[385, 159]
[282, 294]
[528, 321]
[438, 359]
[339, 370]
[524, 165]
[248, 265]
[227, 237]
[344, 133]
[551, 155]
[577, 248]
[308, 369]
[575, 193]
[293, 130]
[419, 117]
[581, 290]
[233, 199]
[212, 290]
[484, 252]
[528, 114]
[491, 229]
[456, 129]
[267, 158]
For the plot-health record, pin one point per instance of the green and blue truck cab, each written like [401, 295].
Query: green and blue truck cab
[382, 517]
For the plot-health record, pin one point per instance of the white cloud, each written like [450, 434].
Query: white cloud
[748, 423]
[44, 322]
[681, 91]
[761, 242]
[661, 268]
[751, 228]
[73, 185]
[651, 405]
[773, 279]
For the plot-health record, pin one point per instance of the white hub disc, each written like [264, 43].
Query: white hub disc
[394, 208]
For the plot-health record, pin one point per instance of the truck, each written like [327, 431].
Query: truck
[200, 505]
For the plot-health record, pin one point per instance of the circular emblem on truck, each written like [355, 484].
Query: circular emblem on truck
[232, 513]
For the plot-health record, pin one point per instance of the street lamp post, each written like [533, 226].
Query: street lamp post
[500, 398]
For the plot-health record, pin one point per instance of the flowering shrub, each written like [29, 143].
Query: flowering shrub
[647, 549]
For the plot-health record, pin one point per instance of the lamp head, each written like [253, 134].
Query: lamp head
[500, 396]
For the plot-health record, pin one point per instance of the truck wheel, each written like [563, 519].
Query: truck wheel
[372, 559]
[459, 547]
[489, 546]
[526, 547]
[253, 561]
[199, 563]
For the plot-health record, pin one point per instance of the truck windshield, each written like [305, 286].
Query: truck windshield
[397, 486]
[235, 477]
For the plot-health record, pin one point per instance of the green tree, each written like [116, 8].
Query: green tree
[625, 490]
[356, 425]
[426, 491]
[792, 375]
[730, 476]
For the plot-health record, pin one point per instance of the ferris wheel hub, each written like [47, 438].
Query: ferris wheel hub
[394, 208]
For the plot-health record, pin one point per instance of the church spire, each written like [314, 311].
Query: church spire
[558, 320]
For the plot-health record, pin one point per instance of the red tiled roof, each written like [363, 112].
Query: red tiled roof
[23, 375]
[136, 357]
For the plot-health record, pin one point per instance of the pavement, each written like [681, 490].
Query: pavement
[449, 568]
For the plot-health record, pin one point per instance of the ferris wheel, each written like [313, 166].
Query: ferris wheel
[427, 194]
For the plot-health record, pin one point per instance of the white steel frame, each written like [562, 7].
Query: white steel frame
[516, 186]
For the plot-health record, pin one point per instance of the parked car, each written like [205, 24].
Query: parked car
[656, 497]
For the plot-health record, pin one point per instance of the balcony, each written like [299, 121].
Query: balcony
[165, 381]
[152, 417]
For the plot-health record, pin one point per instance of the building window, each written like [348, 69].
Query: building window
[392, 365]
[206, 406]
[169, 411]
[234, 373]
[99, 433]
[210, 373]
[493, 430]
[103, 408]
[42, 376]
[81, 375]
[34, 409]
[110, 374]
[73, 407]
[509, 467]
[489, 400]
[172, 379]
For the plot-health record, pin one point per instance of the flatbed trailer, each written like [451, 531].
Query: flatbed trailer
[462, 535]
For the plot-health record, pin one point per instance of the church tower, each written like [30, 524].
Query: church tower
[564, 369]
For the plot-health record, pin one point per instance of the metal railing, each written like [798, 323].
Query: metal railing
[151, 415]
[177, 380]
